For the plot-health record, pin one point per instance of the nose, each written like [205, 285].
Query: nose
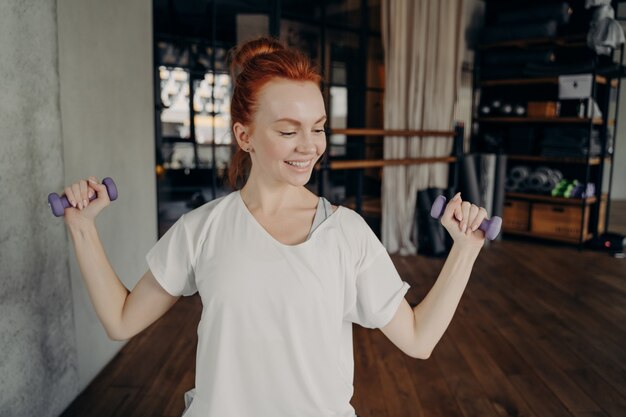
[306, 144]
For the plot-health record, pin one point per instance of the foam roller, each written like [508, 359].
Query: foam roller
[58, 204]
[491, 227]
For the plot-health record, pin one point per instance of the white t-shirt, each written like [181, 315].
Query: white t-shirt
[275, 334]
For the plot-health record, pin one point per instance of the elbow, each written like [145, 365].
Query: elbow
[422, 352]
[116, 335]
[421, 355]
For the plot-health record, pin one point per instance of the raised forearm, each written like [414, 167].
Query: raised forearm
[434, 313]
[105, 289]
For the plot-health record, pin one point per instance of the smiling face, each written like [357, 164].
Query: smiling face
[287, 136]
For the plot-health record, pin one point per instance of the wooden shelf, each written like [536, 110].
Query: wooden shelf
[547, 236]
[539, 80]
[596, 121]
[391, 132]
[370, 205]
[377, 163]
[565, 160]
[550, 199]
[571, 41]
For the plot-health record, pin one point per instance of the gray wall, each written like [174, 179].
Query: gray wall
[107, 109]
[38, 357]
[76, 83]
[618, 189]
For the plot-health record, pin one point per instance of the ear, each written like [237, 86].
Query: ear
[241, 135]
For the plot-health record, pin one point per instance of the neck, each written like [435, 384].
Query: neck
[270, 198]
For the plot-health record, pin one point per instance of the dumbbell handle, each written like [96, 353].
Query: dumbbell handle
[491, 227]
[58, 204]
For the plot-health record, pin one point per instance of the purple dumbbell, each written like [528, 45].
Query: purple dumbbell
[59, 204]
[491, 227]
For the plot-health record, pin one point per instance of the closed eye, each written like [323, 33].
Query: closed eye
[287, 133]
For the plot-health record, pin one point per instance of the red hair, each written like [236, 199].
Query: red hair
[252, 65]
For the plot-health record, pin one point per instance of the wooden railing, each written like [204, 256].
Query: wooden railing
[328, 164]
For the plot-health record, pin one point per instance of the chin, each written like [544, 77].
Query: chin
[299, 182]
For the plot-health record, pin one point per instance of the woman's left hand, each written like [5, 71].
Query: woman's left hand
[461, 219]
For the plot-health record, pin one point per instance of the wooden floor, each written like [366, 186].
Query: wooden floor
[540, 331]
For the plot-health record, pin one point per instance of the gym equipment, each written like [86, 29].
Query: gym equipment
[58, 204]
[519, 109]
[431, 236]
[507, 109]
[469, 177]
[541, 180]
[582, 191]
[491, 227]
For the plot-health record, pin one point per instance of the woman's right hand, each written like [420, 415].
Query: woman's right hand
[83, 210]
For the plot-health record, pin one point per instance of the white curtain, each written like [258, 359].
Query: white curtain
[423, 46]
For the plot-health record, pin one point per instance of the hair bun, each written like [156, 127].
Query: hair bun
[243, 53]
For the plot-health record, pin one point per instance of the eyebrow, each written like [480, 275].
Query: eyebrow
[296, 122]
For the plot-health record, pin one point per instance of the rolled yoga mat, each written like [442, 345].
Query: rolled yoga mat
[470, 189]
[431, 234]
[516, 180]
[519, 173]
[536, 181]
[487, 182]
[499, 188]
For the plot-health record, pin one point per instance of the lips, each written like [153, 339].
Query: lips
[299, 164]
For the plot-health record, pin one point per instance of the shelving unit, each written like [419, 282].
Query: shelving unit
[576, 120]
[570, 220]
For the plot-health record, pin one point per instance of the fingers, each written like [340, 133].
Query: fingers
[468, 215]
[84, 192]
[80, 193]
[76, 194]
[91, 181]
[70, 196]
[481, 215]
[452, 208]
[471, 216]
[458, 213]
[100, 190]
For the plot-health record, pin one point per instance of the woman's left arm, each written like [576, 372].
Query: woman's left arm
[417, 331]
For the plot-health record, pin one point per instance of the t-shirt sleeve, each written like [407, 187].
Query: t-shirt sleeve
[170, 261]
[379, 287]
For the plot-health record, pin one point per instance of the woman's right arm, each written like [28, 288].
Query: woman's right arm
[122, 313]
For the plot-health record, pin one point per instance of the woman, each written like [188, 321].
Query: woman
[282, 273]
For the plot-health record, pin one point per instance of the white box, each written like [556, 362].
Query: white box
[574, 86]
